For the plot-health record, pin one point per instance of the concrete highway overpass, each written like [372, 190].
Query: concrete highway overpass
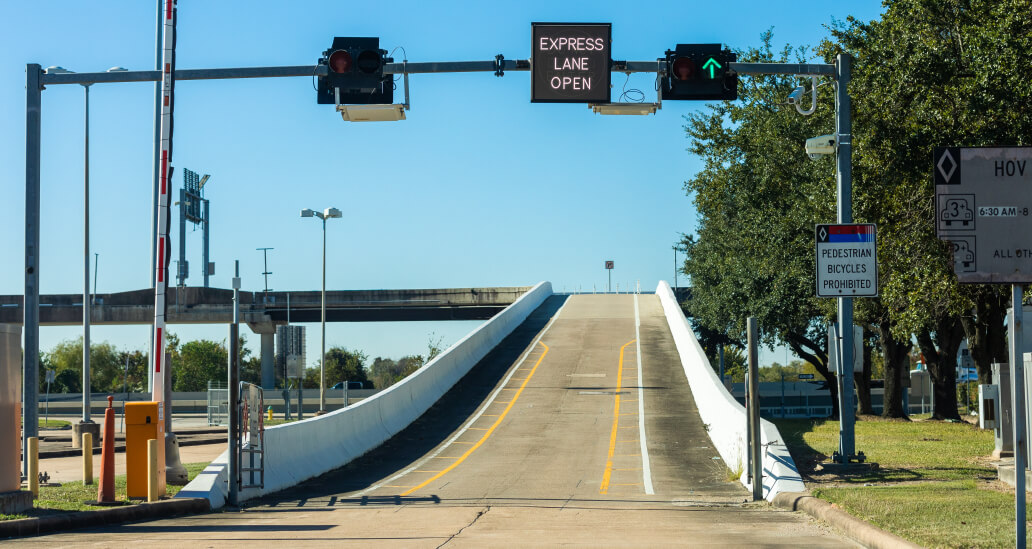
[582, 424]
[190, 305]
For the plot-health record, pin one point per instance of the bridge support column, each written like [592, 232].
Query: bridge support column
[267, 331]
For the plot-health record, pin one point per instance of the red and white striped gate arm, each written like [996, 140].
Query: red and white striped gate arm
[161, 268]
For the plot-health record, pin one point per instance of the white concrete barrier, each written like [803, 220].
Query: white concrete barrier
[295, 452]
[723, 415]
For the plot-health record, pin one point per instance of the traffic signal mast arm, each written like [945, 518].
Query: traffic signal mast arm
[402, 68]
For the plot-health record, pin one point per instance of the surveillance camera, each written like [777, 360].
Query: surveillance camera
[821, 145]
[797, 95]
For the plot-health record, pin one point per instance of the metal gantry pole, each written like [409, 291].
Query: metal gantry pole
[1017, 360]
[181, 271]
[30, 370]
[204, 244]
[86, 395]
[753, 409]
[843, 169]
[234, 391]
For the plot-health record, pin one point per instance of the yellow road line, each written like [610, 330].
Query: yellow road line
[604, 487]
[489, 432]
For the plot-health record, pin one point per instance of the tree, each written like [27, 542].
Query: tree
[758, 198]
[928, 74]
[345, 365]
[199, 362]
[66, 360]
[386, 372]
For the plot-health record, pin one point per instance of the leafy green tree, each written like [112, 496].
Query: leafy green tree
[198, 363]
[758, 198]
[345, 365]
[929, 74]
[66, 360]
[136, 378]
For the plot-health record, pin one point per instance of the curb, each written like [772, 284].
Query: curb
[115, 515]
[865, 533]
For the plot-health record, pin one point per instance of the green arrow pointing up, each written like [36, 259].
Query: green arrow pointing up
[711, 65]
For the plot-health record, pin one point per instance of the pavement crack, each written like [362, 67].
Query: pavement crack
[471, 523]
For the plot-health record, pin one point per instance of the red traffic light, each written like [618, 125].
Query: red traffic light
[683, 68]
[340, 62]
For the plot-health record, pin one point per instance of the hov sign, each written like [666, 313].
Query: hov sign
[847, 260]
[983, 207]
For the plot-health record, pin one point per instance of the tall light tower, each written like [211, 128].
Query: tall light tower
[328, 213]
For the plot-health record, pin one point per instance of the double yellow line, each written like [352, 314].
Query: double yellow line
[604, 488]
[489, 431]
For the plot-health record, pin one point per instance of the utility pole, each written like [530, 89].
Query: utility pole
[266, 273]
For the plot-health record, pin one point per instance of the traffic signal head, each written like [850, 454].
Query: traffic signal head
[699, 72]
[355, 73]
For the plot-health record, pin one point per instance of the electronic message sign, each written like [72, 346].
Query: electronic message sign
[570, 62]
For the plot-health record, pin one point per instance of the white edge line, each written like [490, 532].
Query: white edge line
[646, 470]
[483, 408]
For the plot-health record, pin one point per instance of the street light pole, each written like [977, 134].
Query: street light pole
[328, 213]
[322, 361]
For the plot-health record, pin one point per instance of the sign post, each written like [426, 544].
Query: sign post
[609, 269]
[847, 267]
[983, 208]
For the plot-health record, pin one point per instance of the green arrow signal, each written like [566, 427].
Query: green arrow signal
[711, 65]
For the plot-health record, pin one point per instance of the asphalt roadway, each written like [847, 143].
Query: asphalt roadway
[578, 430]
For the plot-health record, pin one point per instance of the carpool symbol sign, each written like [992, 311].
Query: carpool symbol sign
[947, 166]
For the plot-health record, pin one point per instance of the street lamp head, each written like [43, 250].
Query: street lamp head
[332, 213]
[118, 69]
[307, 213]
[54, 69]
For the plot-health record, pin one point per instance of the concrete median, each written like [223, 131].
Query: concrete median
[723, 414]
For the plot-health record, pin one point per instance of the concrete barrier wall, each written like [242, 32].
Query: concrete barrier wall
[722, 413]
[299, 451]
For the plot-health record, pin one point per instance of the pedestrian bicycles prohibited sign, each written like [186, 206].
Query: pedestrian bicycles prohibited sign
[847, 260]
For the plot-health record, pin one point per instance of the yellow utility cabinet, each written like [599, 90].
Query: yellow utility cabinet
[143, 421]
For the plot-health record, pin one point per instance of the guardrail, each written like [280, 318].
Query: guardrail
[723, 415]
[305, 449]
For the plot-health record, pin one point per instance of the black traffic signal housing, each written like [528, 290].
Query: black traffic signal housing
[699, 72]
[355, 67]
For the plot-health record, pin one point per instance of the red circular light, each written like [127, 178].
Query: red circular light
[340, 61]
[684, 68]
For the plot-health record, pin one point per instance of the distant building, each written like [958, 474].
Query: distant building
[290, 350]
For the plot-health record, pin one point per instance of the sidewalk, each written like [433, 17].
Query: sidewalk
[67, 469]
[197, 443]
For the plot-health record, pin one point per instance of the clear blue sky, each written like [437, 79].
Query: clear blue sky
[479, 187]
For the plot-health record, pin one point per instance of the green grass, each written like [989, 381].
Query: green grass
[932, 485]
[955, 513]
[904, 451]
[72, 496]
[54, 424]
